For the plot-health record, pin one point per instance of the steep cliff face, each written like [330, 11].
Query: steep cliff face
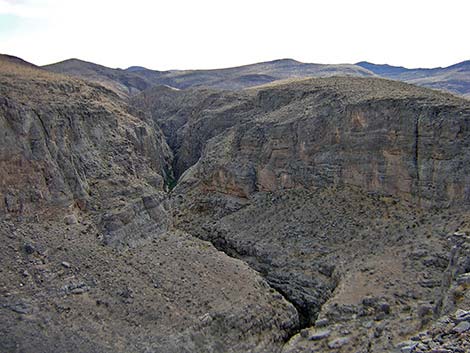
[65, 143]
[190, 118]
[381, 136]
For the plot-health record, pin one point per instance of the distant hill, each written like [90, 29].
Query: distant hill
[9, 60]
[124, 82]
[135, 79]
[455, 78]
[256, 74]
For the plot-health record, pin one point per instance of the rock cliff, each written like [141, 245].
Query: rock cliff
[65, 142]
[382, 136]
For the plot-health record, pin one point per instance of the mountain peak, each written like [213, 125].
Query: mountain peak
[285, 62]
[73, 62]
[136, 68]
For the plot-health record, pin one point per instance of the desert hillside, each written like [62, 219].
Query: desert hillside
[245, 210]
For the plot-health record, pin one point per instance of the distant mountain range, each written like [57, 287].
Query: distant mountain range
[130, 81]
[455, 78]
[136, 78]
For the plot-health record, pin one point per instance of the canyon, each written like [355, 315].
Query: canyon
[245, 213]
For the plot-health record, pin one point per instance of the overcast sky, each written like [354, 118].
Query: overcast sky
[183, 34]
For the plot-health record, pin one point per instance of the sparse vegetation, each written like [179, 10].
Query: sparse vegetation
[339, 207]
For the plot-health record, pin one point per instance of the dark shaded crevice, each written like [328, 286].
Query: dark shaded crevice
[169, 177]
[176, 165]
[307, 318]
[307, 299]
[223, 246]
[446, 282]
[307, 310]
[416, 159]
[173, 173]
[170, 181]
[42, 124]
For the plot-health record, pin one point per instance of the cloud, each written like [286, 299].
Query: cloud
[15, 2]
[24, 8]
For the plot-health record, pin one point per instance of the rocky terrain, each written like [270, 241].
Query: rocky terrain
[308, 215]
[330, 188]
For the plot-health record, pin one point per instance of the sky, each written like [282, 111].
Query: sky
[203, 34]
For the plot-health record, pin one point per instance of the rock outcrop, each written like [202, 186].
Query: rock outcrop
[381, 136]
[68, 143]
